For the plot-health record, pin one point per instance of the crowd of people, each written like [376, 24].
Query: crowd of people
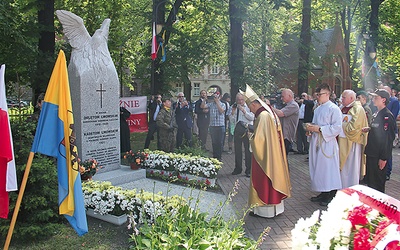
[348, 139]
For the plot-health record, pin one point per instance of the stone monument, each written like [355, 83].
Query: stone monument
[94, 88]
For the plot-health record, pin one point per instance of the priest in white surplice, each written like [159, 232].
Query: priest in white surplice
[352, 140]
[324, 150]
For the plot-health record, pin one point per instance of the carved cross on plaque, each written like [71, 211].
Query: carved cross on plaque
[101, 90]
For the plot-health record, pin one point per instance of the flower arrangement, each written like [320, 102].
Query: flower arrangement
[357, 218]
[105, 198]
[183, 164]
[88, 168]
[173, 177]
[136, 157]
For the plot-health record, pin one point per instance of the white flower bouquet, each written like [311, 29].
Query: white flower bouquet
[183, 164]
[357, 218]
[104, 198]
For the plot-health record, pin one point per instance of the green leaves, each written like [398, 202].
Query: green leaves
[190, 229]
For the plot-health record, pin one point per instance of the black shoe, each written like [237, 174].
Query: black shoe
[324, 203]
[318, 198]
[236, 172]
[328, 197]
[248, 175]
[323, 196]
[387, 177]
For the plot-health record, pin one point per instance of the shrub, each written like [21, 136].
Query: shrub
[195, 150]
[189, 228]
[38, 216]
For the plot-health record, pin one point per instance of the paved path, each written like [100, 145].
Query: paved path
[299, 205]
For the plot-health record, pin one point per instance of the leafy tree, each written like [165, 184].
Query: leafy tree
[18, 41]
[264, 27]
[388, 42]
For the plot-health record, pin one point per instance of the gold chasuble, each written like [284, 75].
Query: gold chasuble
[352, 130]
[270, 181]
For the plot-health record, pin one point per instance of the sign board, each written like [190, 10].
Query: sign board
[137, 106]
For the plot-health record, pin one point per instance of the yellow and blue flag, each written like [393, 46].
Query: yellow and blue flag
[163, 50]
[55, 137]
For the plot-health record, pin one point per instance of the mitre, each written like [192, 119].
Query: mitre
[250, 95]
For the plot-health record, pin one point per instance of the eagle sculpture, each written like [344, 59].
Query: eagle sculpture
[90, 54]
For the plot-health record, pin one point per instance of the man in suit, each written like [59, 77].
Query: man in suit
[183, 114]
[305, 115]
[203, 118]
[153, 109]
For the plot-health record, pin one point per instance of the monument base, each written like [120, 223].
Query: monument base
[120, 176]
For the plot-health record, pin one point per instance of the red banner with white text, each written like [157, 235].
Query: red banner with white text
[137, 105]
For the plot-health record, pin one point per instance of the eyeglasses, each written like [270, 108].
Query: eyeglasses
[179, 96]
[320, 94]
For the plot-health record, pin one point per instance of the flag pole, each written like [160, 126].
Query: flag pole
[20, 195]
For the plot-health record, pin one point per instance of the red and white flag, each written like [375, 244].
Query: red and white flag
[154, 44]
[8, 177]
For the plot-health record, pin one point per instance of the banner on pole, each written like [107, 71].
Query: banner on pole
[137, 105]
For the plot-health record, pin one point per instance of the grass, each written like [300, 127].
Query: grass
[101, 236]
[138, 139]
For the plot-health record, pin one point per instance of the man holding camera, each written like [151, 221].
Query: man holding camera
[243, 117]
[217, 123]
[203, 118]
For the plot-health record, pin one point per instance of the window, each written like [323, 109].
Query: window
[196, 89]
[215, 69]
[179, 87]
[338, 66]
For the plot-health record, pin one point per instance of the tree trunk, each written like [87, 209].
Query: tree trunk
[45, 60]
[304, 48]
[370, 78]
[236, 68]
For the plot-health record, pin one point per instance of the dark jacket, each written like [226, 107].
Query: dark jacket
[203, 118]
[381, 135]
[183, 115]
[308, 110]
[152, 108]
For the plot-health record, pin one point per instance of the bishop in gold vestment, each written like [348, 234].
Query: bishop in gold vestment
[270, 181]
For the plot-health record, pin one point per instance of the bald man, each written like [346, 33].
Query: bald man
[352, 141]
[289, 116]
